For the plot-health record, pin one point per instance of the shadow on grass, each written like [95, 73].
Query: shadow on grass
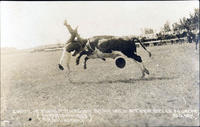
[132, 80]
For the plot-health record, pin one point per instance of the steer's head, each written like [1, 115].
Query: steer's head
[76, 46]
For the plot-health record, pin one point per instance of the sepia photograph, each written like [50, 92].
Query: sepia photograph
[99, 63]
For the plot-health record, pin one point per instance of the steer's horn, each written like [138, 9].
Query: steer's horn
[76, 29]
[71, 31]
[65, 22]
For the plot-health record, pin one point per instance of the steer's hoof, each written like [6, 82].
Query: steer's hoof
[60, 67]
[85, 67]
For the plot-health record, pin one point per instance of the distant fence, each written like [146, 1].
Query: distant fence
[48, 49]
[149, 43]
[163, 42]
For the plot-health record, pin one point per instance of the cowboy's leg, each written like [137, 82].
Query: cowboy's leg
[61, 59]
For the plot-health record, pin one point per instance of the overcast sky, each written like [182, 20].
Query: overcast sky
[29, 24]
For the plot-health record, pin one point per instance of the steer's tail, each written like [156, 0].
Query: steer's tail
[144, 48]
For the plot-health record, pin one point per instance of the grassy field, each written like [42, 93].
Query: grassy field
[33, 88]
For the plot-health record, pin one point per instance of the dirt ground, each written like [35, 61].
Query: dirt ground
[35, 93]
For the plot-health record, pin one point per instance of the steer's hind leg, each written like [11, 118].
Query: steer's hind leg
[138, 60]
[143, 69]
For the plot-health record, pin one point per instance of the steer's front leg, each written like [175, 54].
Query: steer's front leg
[86, 58]
[80, 55]
[78, 60]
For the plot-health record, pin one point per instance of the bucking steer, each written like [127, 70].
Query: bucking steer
[102, 47]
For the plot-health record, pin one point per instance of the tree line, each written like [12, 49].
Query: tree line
[186, 27]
